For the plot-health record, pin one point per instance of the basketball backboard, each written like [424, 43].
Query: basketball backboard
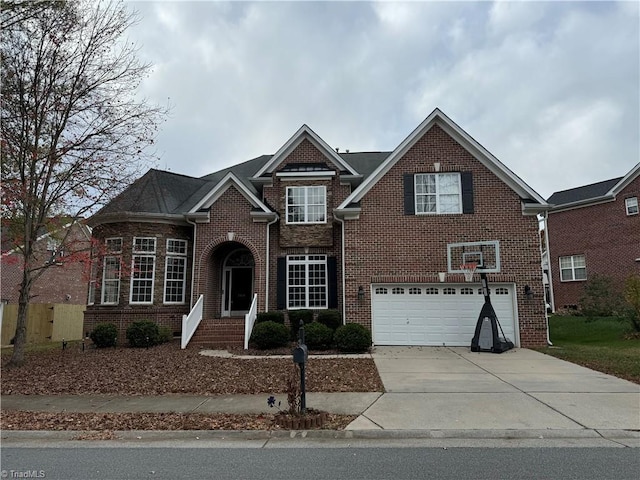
[485, 254]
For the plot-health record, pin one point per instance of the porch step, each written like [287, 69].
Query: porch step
[219, 333]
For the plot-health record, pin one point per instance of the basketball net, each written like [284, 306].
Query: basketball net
[468, 269]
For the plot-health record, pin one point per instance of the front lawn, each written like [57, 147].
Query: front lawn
[599, 344]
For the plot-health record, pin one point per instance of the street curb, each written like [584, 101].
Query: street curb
[147, 435]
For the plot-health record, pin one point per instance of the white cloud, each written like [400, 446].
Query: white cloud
[550, 88]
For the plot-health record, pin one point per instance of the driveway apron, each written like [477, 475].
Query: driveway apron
[452, 388]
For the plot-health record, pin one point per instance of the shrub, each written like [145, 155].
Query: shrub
[143, 334]
[294, 320]
[599, 298]
[267, 335]
[274, 316]
[330, 318]
[352, 338]
[318, 336]
[164, 334]
[104, 335]
[632, 297]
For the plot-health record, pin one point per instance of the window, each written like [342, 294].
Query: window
[111, 271]
[142, 270]
[449, 291]
[573, 268]
[111, 280]
[91, 295]
[415, 291]
[631, 204]
[502, 291]
[431, 291]
[306, 204]
[466, 291]
[55, 252]
[381, 291]
[438, 193]
[397, 291]
[307, 281]
[175, 271]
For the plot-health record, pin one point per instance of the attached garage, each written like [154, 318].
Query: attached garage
[437, 314]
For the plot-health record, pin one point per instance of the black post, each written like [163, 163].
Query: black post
[303, 393]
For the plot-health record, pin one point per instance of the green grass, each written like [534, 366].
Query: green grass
[602, 344]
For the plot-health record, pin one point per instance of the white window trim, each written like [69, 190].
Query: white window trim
[573, 268]
[133, 280]
[177, 240]
[166, 280]
[174, 255]
[306, 205]
[630, 203]
[106, 243]
[105, 280]
[144, 252]
[306, 262]
[437, 193]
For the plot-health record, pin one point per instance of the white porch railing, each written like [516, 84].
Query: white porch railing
[250, 320]
[190, 322]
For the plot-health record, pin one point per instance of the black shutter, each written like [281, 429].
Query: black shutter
[332, 282]
[409, 197]
[281, 283]
[466, 178]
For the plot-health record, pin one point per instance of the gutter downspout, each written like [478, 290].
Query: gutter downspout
[342, 263]
[550, 276]
[193, 261]
[266, 266]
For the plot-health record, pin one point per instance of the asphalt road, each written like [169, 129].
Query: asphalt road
[319, 463]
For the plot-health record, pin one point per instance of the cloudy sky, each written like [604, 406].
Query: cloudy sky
[551, 89]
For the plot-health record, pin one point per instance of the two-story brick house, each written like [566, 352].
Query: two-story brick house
[380, 236]
[593, 230]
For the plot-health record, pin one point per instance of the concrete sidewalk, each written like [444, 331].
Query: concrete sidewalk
[439, 391]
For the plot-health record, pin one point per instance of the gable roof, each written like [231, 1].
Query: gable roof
[230, 179]
[466, 141]
[305, 133]
[586, 192]
[160, 195]
[593, 193]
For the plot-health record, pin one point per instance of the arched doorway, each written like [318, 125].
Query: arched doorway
[237, 282]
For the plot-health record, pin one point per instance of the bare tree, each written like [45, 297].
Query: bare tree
[73, 131]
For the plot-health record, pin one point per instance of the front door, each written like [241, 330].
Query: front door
[237, 284]
[240, 291]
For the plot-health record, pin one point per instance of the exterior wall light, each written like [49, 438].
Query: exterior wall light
[360, 293]
[528, 292]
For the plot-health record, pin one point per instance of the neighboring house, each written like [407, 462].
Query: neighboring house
[380, 236]
[58, 295]
[593, 230]
[63, 252]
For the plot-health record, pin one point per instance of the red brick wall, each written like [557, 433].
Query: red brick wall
[229, 214]
[607, 237]
[124, 314]
[322, 239]
[387, 245]
[66, 282]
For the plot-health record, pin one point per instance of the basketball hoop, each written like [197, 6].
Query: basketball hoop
[468, 269]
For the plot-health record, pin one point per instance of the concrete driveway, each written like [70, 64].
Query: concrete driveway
[451, 388]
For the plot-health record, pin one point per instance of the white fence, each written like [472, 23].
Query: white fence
[190, 322]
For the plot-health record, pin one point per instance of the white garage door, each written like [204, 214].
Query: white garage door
[436, 314]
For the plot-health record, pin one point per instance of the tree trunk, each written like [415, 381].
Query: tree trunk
[20, 339]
